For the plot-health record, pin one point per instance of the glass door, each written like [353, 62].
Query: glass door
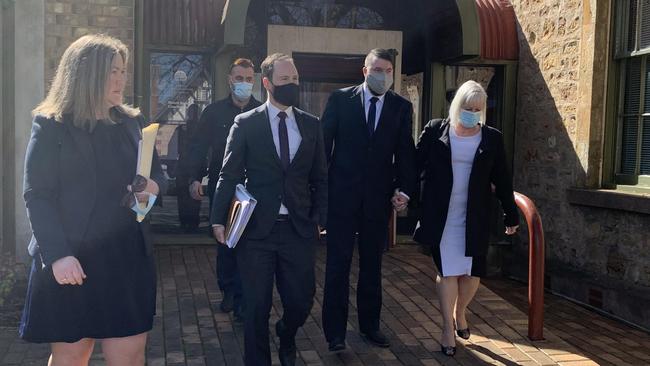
[180, 86]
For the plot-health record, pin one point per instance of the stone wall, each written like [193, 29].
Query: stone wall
[67, 20]
[595, 255]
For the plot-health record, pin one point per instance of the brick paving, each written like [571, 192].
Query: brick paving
[189, 329]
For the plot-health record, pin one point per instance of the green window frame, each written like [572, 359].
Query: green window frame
[632, 68]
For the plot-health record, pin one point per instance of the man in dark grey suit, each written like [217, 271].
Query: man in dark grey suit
[278, 151]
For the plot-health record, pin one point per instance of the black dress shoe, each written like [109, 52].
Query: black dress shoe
[337, 344]
[463, 333]
[377, 338]
[287, 350]
[228, 302]
[448, 350]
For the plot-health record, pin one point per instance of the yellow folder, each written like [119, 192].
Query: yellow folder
[145, 155]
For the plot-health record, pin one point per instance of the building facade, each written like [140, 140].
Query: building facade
[569, 85]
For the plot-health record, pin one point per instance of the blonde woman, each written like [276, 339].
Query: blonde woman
[461, 159]
[93, 273]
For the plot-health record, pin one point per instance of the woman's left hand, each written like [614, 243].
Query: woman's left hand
[152, 187]
[511, 230]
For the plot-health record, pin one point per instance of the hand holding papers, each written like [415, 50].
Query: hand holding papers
[240, 212]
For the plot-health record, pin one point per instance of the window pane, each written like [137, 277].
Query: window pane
[647, 85]
[628, 145]
[632, 86]
[644, 32]
[631, 30]
[645, 148]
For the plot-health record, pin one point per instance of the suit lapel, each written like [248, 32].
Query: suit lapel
[444, 137]
[303, 136]
[267, 134]
[385, 117]
[357, 107]
[134, 131]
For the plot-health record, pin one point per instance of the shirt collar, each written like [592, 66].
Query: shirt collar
[273, 110]
[367, 94]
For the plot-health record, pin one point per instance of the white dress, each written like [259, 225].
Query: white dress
[452, 245]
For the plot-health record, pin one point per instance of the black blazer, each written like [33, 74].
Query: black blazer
[490, 166]
[59, 186]
[364, 170]
[211, 133]
[251, 157]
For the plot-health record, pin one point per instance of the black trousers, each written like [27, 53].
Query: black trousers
[228, 277]
[341, 232]
[289, 258]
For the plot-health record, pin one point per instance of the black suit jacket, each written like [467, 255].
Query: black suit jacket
[489, 166]
[214, 124]
[364, 170]
[59, 186]
[251, 157]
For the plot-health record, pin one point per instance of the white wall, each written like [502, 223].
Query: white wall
[29, 91]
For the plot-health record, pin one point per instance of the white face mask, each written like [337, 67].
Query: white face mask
[143, 211]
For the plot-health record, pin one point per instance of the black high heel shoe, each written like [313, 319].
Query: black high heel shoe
[463, 333]
[448, 350]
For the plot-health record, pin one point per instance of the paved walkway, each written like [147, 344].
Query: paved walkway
[190, 330]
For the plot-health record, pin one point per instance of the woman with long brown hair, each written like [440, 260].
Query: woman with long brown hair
[93, 272]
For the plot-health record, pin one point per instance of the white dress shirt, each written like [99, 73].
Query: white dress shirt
[292, 131]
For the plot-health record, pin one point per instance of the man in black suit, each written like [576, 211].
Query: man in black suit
[215, 122]
[371, 155]
[277, 150]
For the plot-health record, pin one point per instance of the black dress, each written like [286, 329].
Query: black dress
[118, 297]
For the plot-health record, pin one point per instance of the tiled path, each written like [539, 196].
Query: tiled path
[190, 330]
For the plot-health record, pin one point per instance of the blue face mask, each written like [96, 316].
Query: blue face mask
[242, 90]
[469, 119]
[143, 211]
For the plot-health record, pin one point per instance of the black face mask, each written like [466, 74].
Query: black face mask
[287, 94]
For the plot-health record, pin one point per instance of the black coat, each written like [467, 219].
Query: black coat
[489, 167]
[59, 186]
[251, 157]
[364, 170]
[212, 132]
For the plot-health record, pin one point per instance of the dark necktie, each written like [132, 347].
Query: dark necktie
[284, 140]
[372, 114]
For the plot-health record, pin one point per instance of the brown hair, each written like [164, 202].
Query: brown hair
[269, 61]
[79, 85]
[242, 62]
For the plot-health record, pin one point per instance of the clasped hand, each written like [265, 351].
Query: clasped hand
[399, 201]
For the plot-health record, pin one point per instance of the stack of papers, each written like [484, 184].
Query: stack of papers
[241, 211]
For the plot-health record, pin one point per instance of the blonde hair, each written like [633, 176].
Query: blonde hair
[79, 85]
[470, 93]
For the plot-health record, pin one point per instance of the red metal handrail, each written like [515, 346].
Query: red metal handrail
[535, 267]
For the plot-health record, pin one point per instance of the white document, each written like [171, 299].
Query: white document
[240, 212]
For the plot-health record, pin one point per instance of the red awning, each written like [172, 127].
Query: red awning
[498, 30]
